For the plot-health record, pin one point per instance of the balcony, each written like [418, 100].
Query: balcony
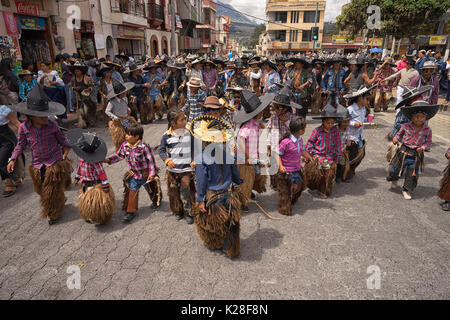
[132, 7]
[190, 13]
[155, 15]
[128, 11]
[210, 4]
[188, 43]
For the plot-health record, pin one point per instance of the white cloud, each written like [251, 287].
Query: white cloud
[257, 8]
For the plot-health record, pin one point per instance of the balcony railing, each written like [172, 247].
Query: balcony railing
[155, 11]
[132, 7]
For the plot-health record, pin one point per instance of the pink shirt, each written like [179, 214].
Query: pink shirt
[401, 65]
[290, 151]
[250, 132]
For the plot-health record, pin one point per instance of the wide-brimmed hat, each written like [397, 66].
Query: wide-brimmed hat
[235, 89]
[194, 82]
[360, 92]
[114, 63]
[93, 63]
[298, 58]
[87, 145]
[38, 104]
[26, 73]
[208, 61]
[211, 102]
[198, 60]
[103, 69]
[211, 129]
[252, 105]
[255, 60]
[238, 64]
[123, 56]
[412, 93]
[343, 113]
[119, 88]
[176, 64]
[191, 57]
[151, 64]
[271, 63]
[318, 61]
[78, 65]
[428, 65]
[328, 112]
[283, 98]
[133, 67]
[420, 106]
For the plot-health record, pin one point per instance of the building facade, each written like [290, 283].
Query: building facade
[207, 31]
[223, 44]
[191, 14]
[290, 22]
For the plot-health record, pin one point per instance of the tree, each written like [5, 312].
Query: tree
[254, 39]
[402, 18]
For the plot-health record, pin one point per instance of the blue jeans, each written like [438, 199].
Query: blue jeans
[296, 177]
[70, 97]
[136, 184]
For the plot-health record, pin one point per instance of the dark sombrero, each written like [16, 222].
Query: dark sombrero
[343, 113]
[328, 112]
[283, 98]
[77, 65]
[38, 104]
[103, 69]
[363, 90]
[114, 63]
[133, 67]
[87, 145]
[119, 88]
[420, 106]
[252, 105]
[411, 93]
[26, 73]
[151, 64]
[176, 64]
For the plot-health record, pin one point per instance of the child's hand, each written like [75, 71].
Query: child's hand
[108, 161]
[348, 143]
[447, 155]
[394, 140]
[75, 182]
[150, 178]
[282, 169]
[201, 207]
[419, 150]
[11, 165]
[171, 164]
[262, 125]
[193, 164]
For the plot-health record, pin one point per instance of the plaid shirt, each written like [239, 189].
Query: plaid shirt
[277, 129]
[139, 157]
[88, 171]
[45, 143]
[413, 139]
[384, 73]
[325, 145]
[345, 136]
[249, 132]
[191, 103]
[25, 88]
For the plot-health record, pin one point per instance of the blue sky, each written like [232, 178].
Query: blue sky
[257, 7]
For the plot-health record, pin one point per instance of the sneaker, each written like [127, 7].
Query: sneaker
[128, 217]
[189, 219]
[446, 206]
[406, 195]
[394, 184]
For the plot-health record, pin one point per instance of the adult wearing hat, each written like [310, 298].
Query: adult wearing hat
[176, 80]
[118, 111]
[50, 169]
[324, 145]
[105, 86]
[218, 212]
[280, 61]
[83, 87]
[53, 85]
[416, 137]
[249, 163]
[271, 76]
[153, 98]
[136, 96]
[333, 81]
[96, 201]
[358, 75]
[318, 102]
[403, 78]
[27, 83]
[427, 78]
[239, 78]
[210, 77]
[195, 70]
[301, 80]
[384, 91]
[195, 95]
[117, 69]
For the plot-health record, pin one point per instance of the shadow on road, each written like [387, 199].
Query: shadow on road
[253, 247]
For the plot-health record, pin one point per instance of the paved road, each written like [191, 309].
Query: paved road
[323, 251]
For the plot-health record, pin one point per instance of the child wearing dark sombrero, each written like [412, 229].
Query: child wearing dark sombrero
[415, 137]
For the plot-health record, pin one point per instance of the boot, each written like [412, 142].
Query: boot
[133, 199]
[144, 115]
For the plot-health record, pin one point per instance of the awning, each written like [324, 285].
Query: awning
[341, 46]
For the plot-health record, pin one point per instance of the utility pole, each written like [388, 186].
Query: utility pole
[315, 25]
[173, 43]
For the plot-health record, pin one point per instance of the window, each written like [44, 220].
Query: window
[5, 3]
[306, 35]
[308, 16]
[281, 16]
[280, 35]
[294, 16]
[293, 35]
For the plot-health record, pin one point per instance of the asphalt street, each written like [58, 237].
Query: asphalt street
[323, 251]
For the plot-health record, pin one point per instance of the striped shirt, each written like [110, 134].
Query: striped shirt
[277, 129]
[325, 145]
[345, 136]
[25, 88]
[139, 158]
[191, 103]
[46, 143]
[177, 145]
[290, 151]
[249, 132]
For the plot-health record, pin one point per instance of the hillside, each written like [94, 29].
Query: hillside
[225, 9]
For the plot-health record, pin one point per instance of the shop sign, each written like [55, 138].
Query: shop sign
[87, 26]
[376, 42]
[31, 23]
[10, 22]
[130, 33]
[336, 39]
[27, 8]
[438, 40]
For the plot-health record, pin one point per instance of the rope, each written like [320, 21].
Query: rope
[262, 209]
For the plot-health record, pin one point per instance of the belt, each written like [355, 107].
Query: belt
[91, 183]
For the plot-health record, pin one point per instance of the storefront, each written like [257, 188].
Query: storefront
[85, 40]
[130, 40]
[35, 40]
